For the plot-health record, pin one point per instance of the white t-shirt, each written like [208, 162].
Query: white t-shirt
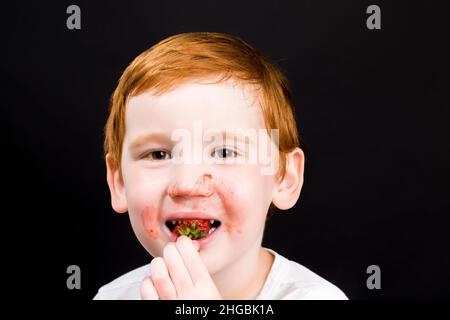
[287, 279]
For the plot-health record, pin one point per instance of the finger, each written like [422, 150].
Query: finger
[196, 244]
[177, 270]
[191, 258]
[161, 279]
[148, 291]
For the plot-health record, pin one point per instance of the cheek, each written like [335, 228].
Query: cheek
[143, 189]
[245, 200]
[233, 202]
[150, 220]
[146, 229]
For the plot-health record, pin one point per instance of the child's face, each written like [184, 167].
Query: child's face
[156, 189]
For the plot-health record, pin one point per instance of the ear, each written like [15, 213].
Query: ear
[287, 190]
[116, 187]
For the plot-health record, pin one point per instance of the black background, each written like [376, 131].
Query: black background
[372, 109]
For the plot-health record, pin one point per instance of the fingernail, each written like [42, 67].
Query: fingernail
[196, 244]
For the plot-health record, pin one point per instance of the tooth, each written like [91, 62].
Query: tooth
[211, 221]
[173, 222]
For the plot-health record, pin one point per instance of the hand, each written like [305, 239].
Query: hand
[180, 274]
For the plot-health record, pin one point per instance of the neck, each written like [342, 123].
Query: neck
[248, 275]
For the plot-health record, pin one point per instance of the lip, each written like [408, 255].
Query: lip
[188, 215]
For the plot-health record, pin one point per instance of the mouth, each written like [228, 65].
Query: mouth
[193, 228]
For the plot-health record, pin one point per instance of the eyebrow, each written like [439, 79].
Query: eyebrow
[227, 134]
[142, 140]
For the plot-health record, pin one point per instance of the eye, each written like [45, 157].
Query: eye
[225, 153]
[157, 155]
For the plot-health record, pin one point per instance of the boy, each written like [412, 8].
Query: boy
[199, 210]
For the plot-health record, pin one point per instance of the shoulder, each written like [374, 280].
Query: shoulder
[125, 287]
[291, 280]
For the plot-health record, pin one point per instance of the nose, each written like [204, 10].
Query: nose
[191, 181]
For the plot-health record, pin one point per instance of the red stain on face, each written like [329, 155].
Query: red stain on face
[203, 186]
[207, 175]
[232, 228]
[150, 222]
[226, 192]
[218, 194]
[204, 179]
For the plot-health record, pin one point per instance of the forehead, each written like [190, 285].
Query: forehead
[221, 106]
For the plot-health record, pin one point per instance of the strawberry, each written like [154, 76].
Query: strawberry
[194, 229]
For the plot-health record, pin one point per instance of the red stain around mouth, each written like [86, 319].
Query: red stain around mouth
[223, 194]
[230, 228]
[150, 222]
[226, 193]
